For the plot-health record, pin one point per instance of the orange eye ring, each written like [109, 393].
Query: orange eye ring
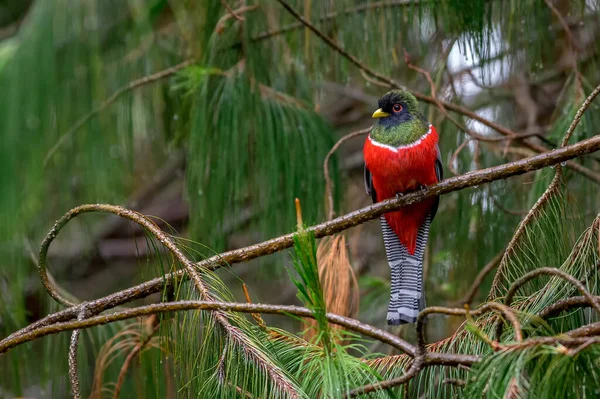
[397, 107]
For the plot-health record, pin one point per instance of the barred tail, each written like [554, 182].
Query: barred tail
[407, 296]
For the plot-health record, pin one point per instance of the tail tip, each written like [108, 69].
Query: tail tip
[398, 319]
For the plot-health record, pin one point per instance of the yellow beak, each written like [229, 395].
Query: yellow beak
[380, 114]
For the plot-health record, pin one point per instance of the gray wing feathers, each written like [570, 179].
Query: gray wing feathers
[369, 185]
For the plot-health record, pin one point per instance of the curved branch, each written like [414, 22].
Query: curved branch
[189, 268]
[341, 223]
[552, 188]
[547, 271]
[417, 365]
[488, 306]
[555, 272]
[565, 304]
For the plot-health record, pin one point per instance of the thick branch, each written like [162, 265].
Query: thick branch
[474, 178]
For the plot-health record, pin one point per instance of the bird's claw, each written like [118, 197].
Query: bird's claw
[422, 187]
[399, 195]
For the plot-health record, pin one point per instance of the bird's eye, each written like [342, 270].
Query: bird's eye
[397, 107]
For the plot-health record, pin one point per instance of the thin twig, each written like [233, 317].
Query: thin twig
[74, 344]
[231, 12]
[455, 382]
[455, 156]
[114, 97]
[554, 272]
[584, 106]
[414, 369]
[333, 15]
[572, 43]
[341, 223]
[468, 298]
[328, 182]
[220, 25]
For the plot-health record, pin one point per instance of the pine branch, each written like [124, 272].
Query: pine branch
[474, 178]
[547, 271]
[348, 323]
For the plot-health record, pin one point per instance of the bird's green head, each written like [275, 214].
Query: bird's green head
[399, 121]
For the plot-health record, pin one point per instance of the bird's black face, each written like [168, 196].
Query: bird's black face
[394, 109]
[399, 120]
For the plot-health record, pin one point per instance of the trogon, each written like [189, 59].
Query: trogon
[402, 155]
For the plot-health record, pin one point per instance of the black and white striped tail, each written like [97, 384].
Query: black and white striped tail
[407, 296]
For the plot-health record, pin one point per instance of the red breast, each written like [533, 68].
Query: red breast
[399, 170]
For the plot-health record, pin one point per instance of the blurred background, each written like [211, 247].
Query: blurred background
[212, 120]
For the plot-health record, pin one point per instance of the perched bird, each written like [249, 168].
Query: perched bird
[402, 155]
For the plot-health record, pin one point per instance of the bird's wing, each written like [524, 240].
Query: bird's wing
[369, 184]
[439, 173]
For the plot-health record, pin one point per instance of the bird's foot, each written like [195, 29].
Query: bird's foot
[422, 187]
[399, 195]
